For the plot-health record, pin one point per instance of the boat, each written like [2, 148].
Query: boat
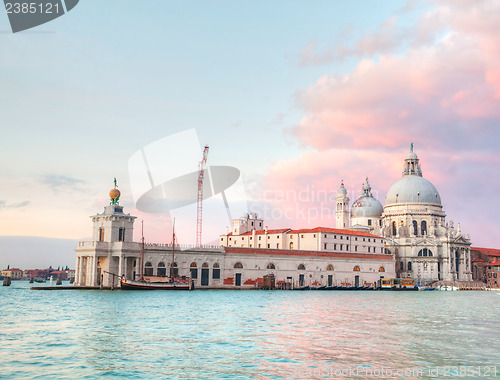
[39, 279]
[171, 283]
[398, 284]
[144, 285]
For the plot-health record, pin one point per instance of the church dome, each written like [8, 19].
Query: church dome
[412, 189]
[366, 205]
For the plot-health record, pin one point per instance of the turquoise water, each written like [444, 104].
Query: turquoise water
[247, 334]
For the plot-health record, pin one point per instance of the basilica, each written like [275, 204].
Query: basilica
[413, 225]
[408, 237]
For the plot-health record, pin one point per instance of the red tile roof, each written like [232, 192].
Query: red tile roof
[262, 232]
[308, 230]
[332, 231]
[477, 259]
[296, 252]
[487, 251]
[494, 264]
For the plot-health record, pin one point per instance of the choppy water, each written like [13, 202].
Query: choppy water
[247, 334]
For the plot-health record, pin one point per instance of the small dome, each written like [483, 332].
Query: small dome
[411, 156]
[412, 189]
[342, 192]
[366, 206]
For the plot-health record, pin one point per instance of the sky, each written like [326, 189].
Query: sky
[296, 95]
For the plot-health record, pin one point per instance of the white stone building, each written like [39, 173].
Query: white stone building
[413, 224]
[307, 257]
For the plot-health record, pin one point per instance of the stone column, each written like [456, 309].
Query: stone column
[120, 265]
[77, 271]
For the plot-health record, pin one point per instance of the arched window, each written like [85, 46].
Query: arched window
[394, 232]
[415, 228]
[204, 265]
[161, 271]
[381, 269]
[270, 266]
[329, 267]
[356, 269]
[425, 252]
[148, 269]
[301, 267]
[216, 271]
[424, 227]
[194, 270]
[291, 245]
[409, 265]
[238, 265]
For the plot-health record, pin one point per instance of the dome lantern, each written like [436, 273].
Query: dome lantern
[411, 165]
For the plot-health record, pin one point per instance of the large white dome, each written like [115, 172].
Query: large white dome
[412, 189]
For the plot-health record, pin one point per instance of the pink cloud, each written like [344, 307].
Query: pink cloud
[443, 95]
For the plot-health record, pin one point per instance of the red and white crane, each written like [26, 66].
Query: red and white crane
[199, 200]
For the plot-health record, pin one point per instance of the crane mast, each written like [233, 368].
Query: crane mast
[199, 199]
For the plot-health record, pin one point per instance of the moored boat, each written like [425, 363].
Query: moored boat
[172, 283]
[143, 285]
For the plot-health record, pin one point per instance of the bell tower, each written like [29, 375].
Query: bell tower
[113, 224]
[342, 208]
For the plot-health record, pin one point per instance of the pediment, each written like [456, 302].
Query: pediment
[425, 242]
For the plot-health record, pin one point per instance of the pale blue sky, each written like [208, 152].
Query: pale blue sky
[82, 93]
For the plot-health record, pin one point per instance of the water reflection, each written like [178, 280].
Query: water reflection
[241, 334]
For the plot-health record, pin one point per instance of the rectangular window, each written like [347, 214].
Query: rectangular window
[260, 237]
[269, 246]
[369, 222]
[194, 272]
[121, 234]
[101, 234]
[325, 245]
[341, 237]
[335, 247]
[250, 238]
[368, 249]
[325, 235]
[259, 245]
[216, 273]
[302, 236]
[355, 248]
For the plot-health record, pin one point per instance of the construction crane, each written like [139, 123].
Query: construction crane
[199, 200]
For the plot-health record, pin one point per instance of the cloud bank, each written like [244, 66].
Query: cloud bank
[436, 84]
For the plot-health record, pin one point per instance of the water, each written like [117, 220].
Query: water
[218, 334]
